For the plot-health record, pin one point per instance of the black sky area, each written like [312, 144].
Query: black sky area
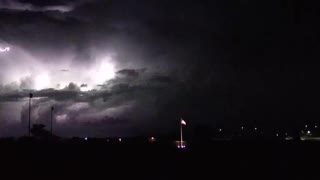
[214, 63]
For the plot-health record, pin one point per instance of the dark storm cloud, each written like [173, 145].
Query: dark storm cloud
[150, 55]
[62, 95]
[72, 87]
[40, 5]
[26, 6]
[211, 62]
[128, 102]
[128, 72]
[162, 79]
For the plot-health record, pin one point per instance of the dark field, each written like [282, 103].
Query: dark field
[217, 160]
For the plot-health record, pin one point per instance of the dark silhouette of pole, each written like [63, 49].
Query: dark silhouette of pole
[52, 109]
[181, 136]
[30, 97]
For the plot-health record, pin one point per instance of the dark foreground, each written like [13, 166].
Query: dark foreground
[217, 160]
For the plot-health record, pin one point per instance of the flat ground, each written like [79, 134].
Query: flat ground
[216, 160]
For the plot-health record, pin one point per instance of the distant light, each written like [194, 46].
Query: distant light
[152, 139]
[277, 135]
[255, 129]
[315, 126]
[286, 134]
[181, 146]
[108, 140]
[306, 126]
[86, 138]
[220, 130]
[309, 132]
[120, 139]
[242, 127]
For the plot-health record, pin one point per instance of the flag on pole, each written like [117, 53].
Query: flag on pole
[183, 122]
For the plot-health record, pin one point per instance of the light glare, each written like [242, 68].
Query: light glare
[104, 71]
[42, 81]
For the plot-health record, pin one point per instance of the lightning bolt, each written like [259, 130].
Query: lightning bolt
[5, 49]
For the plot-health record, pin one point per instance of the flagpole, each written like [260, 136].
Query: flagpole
[181, 140]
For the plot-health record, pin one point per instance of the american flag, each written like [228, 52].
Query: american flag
[183, 122]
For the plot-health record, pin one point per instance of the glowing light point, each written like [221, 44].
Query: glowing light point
[120, 139]
[86, 138]
[220, 130]
[152, 139]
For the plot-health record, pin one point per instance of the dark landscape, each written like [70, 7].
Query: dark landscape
[212, 160]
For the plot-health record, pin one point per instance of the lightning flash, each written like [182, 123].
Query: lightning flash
[5, 49]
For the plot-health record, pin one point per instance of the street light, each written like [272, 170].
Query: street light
[30, 97]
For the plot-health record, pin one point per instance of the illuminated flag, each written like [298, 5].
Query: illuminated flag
[183, 122]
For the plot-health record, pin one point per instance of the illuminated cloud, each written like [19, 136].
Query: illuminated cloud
[104, 71]
[41, 6]
[30, 71]
[61, 118]
[5, 49]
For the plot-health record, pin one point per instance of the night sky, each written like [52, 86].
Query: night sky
[134, 67]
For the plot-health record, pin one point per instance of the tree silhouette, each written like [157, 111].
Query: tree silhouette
[38, 131]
